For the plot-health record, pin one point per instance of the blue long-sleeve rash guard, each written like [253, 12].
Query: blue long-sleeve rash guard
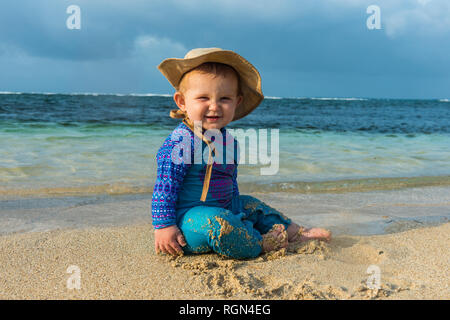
[179, 180]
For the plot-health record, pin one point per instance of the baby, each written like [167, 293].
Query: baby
[196, 205]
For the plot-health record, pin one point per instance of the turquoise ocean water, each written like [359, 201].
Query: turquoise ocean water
[106, 143]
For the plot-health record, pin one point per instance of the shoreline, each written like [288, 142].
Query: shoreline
[353, 213]
[340, 186]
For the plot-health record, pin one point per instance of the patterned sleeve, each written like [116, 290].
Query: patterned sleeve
[169, 179]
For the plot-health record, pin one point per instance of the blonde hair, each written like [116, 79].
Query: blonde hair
[214, 68]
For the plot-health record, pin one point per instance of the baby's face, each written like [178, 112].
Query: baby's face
[209, 99]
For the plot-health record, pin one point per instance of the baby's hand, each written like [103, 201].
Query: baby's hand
[168, 240]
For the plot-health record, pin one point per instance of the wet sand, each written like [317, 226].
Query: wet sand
[402, 234]
[352, 213]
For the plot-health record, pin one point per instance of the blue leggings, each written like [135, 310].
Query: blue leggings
[232, 233]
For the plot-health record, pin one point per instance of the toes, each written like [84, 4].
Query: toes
[316, 233]
[324, 234]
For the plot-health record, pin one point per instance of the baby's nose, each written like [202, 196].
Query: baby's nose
[214, 105]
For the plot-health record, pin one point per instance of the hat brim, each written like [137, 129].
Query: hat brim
[174, 68]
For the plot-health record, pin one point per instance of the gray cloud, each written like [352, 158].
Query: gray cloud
[305, 42]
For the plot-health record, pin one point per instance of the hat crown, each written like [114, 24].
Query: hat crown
[199, 52]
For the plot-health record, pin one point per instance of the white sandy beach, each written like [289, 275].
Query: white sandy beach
[114, 252]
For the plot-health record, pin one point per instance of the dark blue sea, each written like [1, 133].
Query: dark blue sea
[106, 143]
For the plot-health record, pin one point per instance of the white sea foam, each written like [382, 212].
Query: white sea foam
[343, 99]
[444, 100]
[274, 98]
[314, 98]
[93, 94]
[150, 95]
[8, 92]
[121, 94]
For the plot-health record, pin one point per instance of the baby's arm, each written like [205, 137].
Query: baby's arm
[170, 175]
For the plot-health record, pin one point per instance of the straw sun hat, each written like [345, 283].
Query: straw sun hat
[173, 69]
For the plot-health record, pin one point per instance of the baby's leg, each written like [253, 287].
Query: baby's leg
[270, 222]
[263, 216]
[217, 229]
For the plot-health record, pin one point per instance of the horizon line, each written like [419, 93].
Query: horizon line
[170, 95]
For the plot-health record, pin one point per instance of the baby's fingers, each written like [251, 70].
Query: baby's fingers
[168, 248]
[180, 239]
[160, 248]
[176, 247]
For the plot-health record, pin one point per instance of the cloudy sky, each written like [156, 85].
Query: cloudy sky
[302, 48]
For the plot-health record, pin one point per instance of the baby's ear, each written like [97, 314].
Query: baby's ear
[240, 99]
[179, 100]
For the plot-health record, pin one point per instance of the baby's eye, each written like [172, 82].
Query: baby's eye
[202, 98]
[225, 98]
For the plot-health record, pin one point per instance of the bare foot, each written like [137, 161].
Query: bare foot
[297, 233]
[275, 239]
